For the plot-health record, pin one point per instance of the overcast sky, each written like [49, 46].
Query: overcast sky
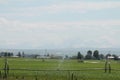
[51, 24]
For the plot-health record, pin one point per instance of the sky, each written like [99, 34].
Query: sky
[56, 24]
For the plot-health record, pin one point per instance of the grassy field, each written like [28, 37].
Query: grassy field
[57, 69]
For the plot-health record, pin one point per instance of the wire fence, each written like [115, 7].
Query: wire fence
[82, 74]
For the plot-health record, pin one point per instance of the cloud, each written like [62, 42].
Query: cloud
[99, 33]
[74, 6]
[3, 1]
[56, 25]
[54, 34]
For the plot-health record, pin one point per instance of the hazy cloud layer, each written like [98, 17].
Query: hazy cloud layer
[59, 24]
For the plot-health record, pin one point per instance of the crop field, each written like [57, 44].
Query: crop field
[59, 69]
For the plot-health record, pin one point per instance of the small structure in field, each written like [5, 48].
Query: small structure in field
[110, 57]
[42, 57]
[119, 57]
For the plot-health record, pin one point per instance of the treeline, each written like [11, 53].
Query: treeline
[6, 54]
[95, 55]
[90, 55]
[11, 54]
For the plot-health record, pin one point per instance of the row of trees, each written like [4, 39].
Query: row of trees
[21, 54]
[10, 54]
[90, 55]
[95, 55]
[6, 54]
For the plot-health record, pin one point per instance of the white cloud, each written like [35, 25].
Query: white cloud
[77, 6]
[75, 34]
[74, 6]
[18, 25]
[3, 1]
[62, 34]
[110, 40]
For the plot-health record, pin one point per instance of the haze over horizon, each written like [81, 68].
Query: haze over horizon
[51, 24]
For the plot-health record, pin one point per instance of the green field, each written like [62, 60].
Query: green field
[57, 69]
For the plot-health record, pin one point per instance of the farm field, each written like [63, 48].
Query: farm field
[58, 69]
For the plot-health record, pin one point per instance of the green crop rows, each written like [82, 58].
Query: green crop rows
[57, 69]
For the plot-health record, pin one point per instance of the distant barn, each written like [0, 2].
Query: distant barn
[42, 57]
[110, 57]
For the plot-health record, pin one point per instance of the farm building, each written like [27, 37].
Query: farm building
[110, 57]
[42, 57]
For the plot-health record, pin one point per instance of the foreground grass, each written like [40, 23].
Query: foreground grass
[60, 69]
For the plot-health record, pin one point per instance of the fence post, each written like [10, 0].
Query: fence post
[109, 67]
[36, 78]
[68, 75]
[0, 74]
[106, 66]
[72, 76]
[22, 77]
[6, 68]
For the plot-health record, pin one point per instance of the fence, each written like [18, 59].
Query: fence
[82, 74]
